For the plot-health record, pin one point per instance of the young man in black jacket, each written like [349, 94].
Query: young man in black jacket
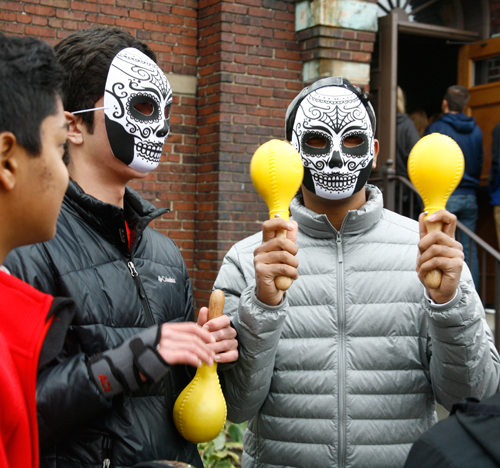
[107, 399]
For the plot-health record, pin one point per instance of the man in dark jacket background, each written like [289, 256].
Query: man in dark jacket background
[107, 399]
[464, 130]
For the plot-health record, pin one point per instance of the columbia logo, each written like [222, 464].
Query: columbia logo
[166, 279]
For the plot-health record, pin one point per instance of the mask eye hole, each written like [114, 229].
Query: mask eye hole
[316, 142]
[167, 112]
[145, 108]
[353, 141]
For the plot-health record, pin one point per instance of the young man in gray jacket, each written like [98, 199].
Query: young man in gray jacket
[345, 368]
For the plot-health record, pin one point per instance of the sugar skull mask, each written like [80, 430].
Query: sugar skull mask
[137, 102]
[333, 133]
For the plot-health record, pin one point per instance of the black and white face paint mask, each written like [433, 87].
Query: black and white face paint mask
[334, 136]
[137, 102]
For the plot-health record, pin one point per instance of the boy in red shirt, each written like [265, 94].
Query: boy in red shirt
[33, 180]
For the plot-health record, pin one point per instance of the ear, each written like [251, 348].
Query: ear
[376, 148]
[9, 163]
[75, 135]
[444, 106]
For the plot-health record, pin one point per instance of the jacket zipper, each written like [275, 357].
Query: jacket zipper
[106, 451]
[142, 294]
[342, 352]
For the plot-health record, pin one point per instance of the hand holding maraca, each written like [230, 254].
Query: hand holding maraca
[277, 172]
[438, 250]
[436, 166]
[275, 258]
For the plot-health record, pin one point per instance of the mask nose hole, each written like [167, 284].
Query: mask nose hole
[336, 160]
[163, 131]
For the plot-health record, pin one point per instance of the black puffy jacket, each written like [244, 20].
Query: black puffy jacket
[117, 293]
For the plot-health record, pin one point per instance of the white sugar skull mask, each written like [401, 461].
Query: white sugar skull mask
[333, 133]
[137, 102]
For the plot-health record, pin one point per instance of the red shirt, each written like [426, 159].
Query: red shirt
[23, 326]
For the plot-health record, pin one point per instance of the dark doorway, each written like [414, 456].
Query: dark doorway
[426, 67]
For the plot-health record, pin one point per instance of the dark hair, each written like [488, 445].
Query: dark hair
[325, 83]
[86, 56]
[457, 97]
[30, 84]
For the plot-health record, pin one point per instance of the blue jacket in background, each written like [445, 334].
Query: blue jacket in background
[469, 137]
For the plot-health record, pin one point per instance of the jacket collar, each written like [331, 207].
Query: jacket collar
[356, 221]
[109, 220]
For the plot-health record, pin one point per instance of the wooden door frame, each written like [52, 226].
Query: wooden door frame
[386, 83]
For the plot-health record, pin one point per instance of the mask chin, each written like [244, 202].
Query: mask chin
[121, 142]
[364, 175]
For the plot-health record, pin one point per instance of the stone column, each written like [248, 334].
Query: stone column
[337, 38]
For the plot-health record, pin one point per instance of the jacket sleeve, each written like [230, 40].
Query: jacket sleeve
[246, 384]
[64, 386]
[464, 361]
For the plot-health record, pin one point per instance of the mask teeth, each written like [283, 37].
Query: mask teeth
[335, 182]
[151, 152]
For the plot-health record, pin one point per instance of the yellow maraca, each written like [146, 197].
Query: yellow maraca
[277, 171]
[200, 410]
[435, 166]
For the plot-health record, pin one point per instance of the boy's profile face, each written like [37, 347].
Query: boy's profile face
[43, 179]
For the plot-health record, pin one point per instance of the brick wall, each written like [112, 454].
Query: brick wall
[249, 71]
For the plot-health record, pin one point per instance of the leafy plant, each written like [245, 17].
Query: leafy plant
[226, 449]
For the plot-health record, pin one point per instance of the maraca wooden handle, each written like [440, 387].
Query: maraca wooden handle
[282, 282]
[216, 304]
[433, 278]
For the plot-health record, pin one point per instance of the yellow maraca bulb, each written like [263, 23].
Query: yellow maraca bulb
[435, 166]
[277, 172]
[200, 410]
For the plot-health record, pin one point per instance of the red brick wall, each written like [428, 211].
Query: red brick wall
[249, 71]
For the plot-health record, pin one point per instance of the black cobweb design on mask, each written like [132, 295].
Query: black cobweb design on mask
[332, 114]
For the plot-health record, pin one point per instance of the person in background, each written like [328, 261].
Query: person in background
[344, 369]
[33, 179]
[420, 120]
[133, 345]
[406, 138]
[494, 179]
[464, 130]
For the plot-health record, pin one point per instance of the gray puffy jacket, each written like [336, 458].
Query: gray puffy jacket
[346, 371]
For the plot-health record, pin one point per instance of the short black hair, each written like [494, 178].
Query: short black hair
[457, 97]
[86, 56]
[30, 85]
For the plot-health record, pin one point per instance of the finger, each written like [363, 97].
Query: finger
[192, 351]
[267, 272]
[448, 265]
[202, 316]
[449, 221]
[422, 226]
[271, 226]
[173, 330]
[224, 346]
[217, 323]
[276, 257]
[438, 238]
[230, 356]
